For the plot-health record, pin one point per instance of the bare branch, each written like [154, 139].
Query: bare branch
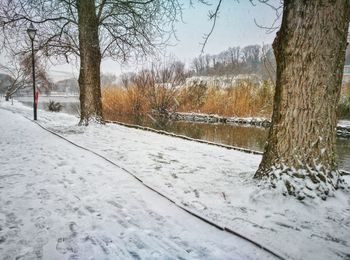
[126, 28]
[278, 12]
[212, 16]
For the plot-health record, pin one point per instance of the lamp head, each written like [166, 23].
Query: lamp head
[31, 31]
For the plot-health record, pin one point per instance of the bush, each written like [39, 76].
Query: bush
[54, 106]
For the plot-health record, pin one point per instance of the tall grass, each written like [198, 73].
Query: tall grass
[242, 99]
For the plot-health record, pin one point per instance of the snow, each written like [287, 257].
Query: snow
[211, 181]
[221, 81]
[60, 202]
[344, 123]
[213, 118]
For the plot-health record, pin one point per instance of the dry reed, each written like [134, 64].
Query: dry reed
[242, 99]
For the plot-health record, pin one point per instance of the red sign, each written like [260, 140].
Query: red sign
[36, 98]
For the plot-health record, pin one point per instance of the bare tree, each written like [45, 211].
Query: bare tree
[155, 88]
[17, 78]
[235, 60]
[165, 78]
[90, 30]
[19, 71]
[198, 65]
[310, 52]
[251, 57]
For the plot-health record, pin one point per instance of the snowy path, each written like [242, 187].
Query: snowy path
[59, 202]
[217, 184]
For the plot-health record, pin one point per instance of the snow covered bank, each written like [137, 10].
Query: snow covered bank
[217, 183]
[60, 202]
[212, 118]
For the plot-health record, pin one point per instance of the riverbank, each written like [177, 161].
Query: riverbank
[70, 104]
[343, 128]
[216, 183]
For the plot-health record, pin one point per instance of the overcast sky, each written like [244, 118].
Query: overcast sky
[235, 27]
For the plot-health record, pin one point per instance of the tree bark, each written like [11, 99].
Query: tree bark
[310, 53]
[90, 61]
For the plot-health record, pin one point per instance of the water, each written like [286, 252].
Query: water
[343, 153]
[249, 137]
[70, 104]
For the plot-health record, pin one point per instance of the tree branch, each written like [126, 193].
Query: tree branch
[212, 16]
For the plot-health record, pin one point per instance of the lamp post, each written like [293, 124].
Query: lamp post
[31, 33]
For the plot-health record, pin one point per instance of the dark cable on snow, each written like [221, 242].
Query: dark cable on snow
[228, 230]
[213, 224]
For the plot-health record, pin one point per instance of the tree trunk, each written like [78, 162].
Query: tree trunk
[90, 61]
[310, 53]
[7, 96]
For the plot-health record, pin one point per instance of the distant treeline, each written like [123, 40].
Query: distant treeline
[251, 59]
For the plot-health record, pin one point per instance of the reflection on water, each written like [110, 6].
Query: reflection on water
[236, 135]
[343, 153]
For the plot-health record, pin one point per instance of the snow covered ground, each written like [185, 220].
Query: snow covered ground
[212, 181]
[59, 202]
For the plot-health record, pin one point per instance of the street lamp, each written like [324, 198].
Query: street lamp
[31, 33]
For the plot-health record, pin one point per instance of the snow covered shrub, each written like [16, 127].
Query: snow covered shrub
[54, 106]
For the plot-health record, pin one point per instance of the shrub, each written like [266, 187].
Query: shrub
[54, 106]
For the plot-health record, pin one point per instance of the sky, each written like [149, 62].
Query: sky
[235, 27]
